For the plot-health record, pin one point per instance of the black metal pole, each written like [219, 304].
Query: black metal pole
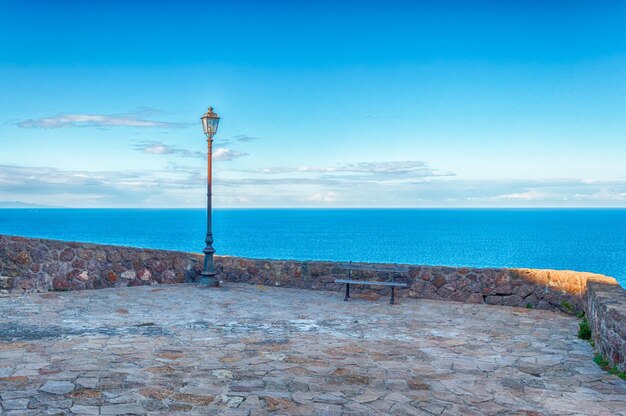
[208, 272]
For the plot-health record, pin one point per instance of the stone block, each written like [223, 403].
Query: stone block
[524, 290]
[493, 300]
[475, 298]
[144, 274]
[112, 276]
[439, 281]
[61, 283]
[40, 254]
[67, 255]
[504, 289]
[7, 282]
[23, 259]
[85, 254]
[113, 256]
[83, 276]
[513, 300]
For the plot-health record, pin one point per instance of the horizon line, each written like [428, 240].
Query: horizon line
[326, 208]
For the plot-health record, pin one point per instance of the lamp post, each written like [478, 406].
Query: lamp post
[210, 120]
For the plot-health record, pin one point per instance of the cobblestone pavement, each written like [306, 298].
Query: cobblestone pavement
[244, 349]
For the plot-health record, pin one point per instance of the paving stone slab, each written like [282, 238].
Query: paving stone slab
[57, 387]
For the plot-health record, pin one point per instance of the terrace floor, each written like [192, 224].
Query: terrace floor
[241, 349]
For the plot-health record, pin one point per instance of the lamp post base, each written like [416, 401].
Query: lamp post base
[208, 281]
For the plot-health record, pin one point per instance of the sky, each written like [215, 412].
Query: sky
[322, 104]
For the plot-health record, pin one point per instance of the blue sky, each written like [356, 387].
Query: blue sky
[394, 104]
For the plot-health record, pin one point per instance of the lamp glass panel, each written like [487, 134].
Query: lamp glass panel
[205, 124]
[212, 125]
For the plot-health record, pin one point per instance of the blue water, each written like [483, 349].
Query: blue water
[575, 239]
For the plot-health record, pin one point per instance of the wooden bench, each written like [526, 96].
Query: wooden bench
[349, 281]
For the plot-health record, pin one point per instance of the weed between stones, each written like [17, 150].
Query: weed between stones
[606, 366]
[584, 332]
[567, 306]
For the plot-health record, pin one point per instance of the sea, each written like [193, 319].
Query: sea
[592, 240]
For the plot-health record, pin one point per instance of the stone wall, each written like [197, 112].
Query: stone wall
[543, 289]
[37, 264]
[606, 313]
[29, 264]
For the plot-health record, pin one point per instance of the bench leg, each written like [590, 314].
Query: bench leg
[347, 292]
[393, 297]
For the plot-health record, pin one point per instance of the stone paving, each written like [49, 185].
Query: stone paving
[250, 350]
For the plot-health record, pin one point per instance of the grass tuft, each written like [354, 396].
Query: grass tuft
[606, 366]
[567, 306]
[584, 332]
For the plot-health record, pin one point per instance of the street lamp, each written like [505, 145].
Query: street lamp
[210, 120]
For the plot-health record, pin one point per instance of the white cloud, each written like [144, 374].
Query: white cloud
[222, 153]
[525, 196]
[59, 187]
[154, 147]
[364, 171]
[323, 197]
[602, 195]
[159, 148]
[95, 120]
[245, 138]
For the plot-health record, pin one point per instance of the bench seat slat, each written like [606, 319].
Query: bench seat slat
[373, 269]
[367, 282]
